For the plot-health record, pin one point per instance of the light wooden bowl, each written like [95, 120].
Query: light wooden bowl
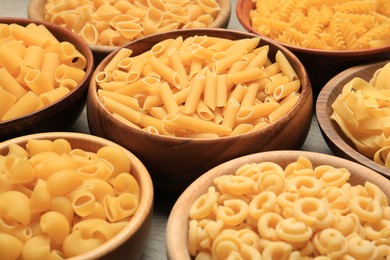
[337, 141]
[60, 115]
[175, 162]
[130, 242]
[177, 226]
[36, 7]
[321, 65]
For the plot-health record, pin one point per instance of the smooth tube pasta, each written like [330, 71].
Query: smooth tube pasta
[30, 56]
[198, 82]
[237, 219]
[53, 195]
[362, 112]
[325, 25]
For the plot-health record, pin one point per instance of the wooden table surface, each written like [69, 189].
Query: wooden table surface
[155, 249]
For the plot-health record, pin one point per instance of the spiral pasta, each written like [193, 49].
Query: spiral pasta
[66, 197]
[314, 213]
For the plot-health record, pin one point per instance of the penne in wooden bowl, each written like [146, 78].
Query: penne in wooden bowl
[107, 231]
[241, 239]
[322, 61]
[189, 143]
[337, 140]
[44, 77]
[136, 18]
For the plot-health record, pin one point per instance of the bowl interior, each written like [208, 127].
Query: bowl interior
[130, 241]
[321, 65]
[339, 143]
[178, 221]
[176, 162]
[61, 114]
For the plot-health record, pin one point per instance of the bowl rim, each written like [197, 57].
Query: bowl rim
[176, 241]
[221, 19]
[332, 53]
[147, 193]
[305, 90]
[324, 121]
[75, 40]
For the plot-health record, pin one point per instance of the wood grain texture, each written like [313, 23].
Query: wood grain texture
[177, 226]
[63, 113]
[339, 143]
[321, 65]
[175, 162]
[131, 241]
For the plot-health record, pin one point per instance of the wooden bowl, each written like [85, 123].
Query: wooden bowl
[321, 65]
[337, 141]
[131, 240]
[175, 162]
[178, 221]
[36, 7]
[60, 115]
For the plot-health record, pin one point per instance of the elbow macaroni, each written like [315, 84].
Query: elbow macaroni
[66, 202]
[199, 87]
[306, 217]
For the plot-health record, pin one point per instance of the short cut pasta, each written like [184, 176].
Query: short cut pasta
[199, 88]
[53, 196]
[264, 211]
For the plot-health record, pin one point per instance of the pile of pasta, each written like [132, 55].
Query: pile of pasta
[362, 111]
[263, 211]
[57, 202]
[114, 23]
[36, 69]
[199, 87]
[324, 25]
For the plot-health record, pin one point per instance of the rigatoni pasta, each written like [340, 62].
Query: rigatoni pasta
[301, 211]
[201, 86]
[36, 72]
[57, 201]
[113, 23]
[362, 111]
[324, 25]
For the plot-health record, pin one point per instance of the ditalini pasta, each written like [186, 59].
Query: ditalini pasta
[264, 211]
[57, 202]
[113, 23]
[199, 87]
[325, 25]
[362, 111]
[36, 69]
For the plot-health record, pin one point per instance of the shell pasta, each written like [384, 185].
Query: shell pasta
[35, 69]
[53, 196]
[202, 86]
[264, 211]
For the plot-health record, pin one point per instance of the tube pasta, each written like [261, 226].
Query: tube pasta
[194, 77]
[57, 195]
[235, 218]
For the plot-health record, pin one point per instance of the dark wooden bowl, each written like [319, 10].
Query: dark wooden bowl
[60, 115]
[36, 7]
[178, 221]
[175, 162]
[321, 65]
[337, 141]
[129, 242]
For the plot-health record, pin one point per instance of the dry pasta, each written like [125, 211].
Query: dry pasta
[325, 25]
[116, 22]
[53, 196]
[36, 72]
[238, 217]
[198, 88]
[362, 111]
